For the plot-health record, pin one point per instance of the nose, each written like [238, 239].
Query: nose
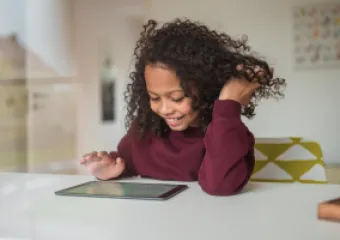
[165, 108]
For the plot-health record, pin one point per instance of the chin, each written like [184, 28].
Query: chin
[178, 128]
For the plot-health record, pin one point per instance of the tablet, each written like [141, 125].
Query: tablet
[130, 190]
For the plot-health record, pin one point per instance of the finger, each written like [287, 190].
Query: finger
[92, 158]
[86, 156]
[89, 154]
[119, 160]
[254, 86]
[119, 166]
[107, 159]
[259, 71]
[260, 74]
[102, 154]
[249, 72]
[239, 67]
[255, 69]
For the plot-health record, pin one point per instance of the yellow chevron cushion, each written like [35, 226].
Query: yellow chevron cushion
[292, 159]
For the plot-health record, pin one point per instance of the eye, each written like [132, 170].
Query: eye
[154, 99]
[178, 99]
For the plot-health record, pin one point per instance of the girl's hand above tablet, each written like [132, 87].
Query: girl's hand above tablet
[102, 165]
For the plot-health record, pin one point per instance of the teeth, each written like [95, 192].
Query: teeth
[172, 119]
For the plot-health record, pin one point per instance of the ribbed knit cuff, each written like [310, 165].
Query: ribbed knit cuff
[226, 109]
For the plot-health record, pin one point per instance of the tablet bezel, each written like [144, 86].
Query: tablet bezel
[177, 188]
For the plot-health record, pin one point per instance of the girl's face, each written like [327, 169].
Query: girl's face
[167, 98]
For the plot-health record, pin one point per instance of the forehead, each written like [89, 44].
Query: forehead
[160, 79]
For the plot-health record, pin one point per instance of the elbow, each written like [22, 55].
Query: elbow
[227, 184]
[222, 182]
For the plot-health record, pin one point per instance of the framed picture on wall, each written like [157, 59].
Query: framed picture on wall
[316, 29]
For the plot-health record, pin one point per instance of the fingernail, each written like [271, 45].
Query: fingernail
[119, 160]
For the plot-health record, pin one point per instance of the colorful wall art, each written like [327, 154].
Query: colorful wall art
[317, 35]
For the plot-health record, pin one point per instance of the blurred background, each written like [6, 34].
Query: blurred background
[64, 66]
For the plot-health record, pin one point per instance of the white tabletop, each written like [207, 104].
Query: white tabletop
[30, 210]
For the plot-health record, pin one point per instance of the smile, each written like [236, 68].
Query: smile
[174, 121]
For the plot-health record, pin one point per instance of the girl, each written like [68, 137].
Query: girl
[189, 89]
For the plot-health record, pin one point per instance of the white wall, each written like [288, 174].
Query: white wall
[98, 23]
[49, 33]
[43, 26]
[310, 108]
[12, 17]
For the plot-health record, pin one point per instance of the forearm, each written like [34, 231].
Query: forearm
[228, 161]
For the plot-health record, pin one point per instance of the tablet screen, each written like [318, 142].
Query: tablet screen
[123, 190]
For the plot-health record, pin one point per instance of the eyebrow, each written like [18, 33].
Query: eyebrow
[177, 90]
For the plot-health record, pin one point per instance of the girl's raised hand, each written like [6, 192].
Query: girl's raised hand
[102, 165]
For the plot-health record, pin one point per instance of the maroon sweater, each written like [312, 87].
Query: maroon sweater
[221, 159]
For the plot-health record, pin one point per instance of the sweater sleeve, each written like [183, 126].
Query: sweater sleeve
[229, 156]
[124, 151]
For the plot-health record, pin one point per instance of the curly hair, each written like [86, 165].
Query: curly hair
[195, 53]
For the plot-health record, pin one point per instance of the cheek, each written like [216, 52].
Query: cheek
[191, 114]
[153, 106]
[186, 108]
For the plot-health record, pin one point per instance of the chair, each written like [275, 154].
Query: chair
[292, 159]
